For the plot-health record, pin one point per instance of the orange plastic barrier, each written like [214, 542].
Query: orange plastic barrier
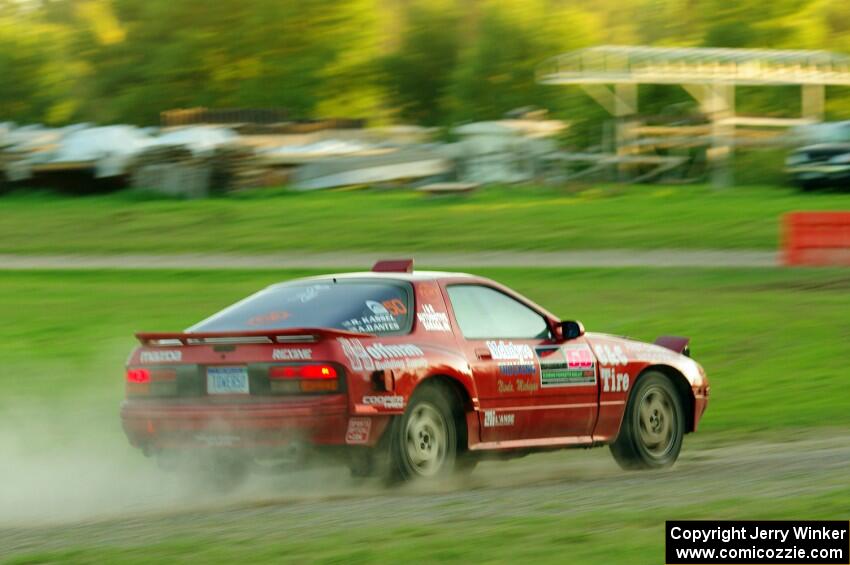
[816, 238]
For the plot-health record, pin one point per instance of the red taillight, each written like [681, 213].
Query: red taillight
[303, 372]
[138, 376]
[318, 372]
[284, 372]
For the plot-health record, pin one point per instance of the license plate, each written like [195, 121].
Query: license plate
[227, 380]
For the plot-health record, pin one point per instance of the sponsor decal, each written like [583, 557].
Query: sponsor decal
[309, 293]
[295, 354]
[358, 431]
[568, 365]
[399, 351]
[357, 356]
[494, 420]
[513, 360]
[509, 351]
[513, 369]
[429, 292]
[613, 381]
[395, 307]
[378, 356]
[161, 356]
[432, 320]
[377, 308]
[269, 318]
[651, 352]
[610, 355]
[388, 402]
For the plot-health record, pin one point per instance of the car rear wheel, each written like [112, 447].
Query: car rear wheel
[653, 425]
[423, 444]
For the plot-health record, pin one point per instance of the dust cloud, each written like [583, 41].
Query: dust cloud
[69, 461]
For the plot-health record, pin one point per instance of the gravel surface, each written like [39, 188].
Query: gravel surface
[598, 258]
[558, 483]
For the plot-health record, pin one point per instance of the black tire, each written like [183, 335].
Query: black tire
[423, 442]
[808, 185]
[653, 425]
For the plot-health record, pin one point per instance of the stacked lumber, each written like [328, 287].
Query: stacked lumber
[160, 154]
[170, 169]
[226, 169]
[236, 167]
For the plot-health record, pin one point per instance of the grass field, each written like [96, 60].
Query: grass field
[627, 217]
[774, 343]
[609, 536]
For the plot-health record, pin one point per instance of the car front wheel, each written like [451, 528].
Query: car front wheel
[653, 425]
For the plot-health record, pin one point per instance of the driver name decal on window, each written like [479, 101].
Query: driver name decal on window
[382, 319]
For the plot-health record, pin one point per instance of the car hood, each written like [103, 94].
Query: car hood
[615, 349]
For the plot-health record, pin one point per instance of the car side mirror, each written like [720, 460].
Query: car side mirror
[571, 329]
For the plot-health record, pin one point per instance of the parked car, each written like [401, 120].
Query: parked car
[819, 166]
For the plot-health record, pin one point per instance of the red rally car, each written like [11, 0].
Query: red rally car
[417, 374]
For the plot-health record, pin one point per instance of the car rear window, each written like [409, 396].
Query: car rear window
[368, 306]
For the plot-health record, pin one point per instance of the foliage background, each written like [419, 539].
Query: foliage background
[434, 62]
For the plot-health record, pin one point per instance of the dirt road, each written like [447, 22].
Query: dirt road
[559, 483]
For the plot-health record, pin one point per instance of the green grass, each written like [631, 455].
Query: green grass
[774, 342]
[497, 218]
[610, 536]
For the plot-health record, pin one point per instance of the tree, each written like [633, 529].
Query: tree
[496, 71]
[418, 75]
[35, 85]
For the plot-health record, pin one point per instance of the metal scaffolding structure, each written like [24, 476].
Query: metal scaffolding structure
[611, 75]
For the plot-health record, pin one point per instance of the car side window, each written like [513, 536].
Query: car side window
[483, 312]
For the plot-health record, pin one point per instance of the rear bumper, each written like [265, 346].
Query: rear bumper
[155, 425]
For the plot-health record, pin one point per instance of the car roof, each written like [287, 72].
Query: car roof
[419, 276]
[416, 276]
[834, 145]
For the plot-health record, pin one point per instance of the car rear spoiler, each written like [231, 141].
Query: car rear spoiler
[675, 343]
[294, 335]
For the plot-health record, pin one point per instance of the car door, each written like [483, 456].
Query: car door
[530, 387]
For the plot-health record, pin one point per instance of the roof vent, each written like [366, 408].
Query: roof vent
[394, 266]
